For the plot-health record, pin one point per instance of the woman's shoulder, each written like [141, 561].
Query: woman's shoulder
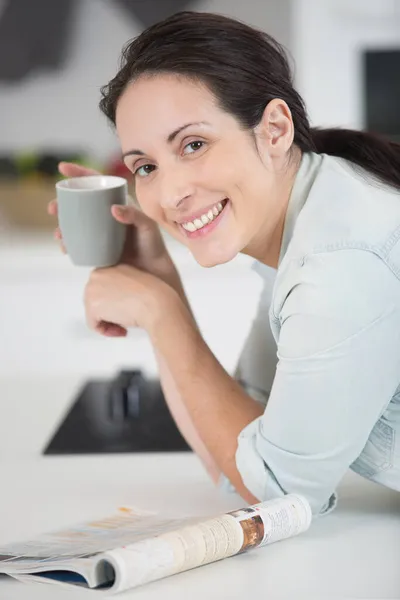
[346, 208]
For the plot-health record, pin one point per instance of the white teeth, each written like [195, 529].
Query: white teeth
[204, 219]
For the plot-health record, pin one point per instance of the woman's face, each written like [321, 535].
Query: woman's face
[196, 172]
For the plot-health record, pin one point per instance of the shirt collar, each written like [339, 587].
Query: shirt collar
[310, 165]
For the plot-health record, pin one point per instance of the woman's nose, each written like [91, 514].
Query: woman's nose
[175, 189]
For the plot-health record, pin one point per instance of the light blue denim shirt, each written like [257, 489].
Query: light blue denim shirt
[323, 353]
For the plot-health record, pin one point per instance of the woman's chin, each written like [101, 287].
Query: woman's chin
[213, 259]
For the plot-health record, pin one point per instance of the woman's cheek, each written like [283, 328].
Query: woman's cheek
[152, 208]
[143, 202]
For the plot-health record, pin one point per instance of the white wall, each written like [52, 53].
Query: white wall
[59, 110]
[328, 39]
[273, 16]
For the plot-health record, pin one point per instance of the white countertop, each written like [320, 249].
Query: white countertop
[47, 353]
[352, 553]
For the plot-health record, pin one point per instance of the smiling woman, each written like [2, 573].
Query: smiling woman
[224, 159]
[193, 157]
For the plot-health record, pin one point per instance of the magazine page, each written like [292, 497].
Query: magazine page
[75, 548]
[207, 541]
[91, 537]
[135, 547]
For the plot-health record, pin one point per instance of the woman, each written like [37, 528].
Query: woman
[224, 159]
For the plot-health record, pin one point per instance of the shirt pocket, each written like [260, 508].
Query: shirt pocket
[377, 455]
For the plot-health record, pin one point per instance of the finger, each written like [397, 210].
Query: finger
[129, 215]
[111, 330]
[52, 208]
[91, 321]
[69, 169]
[58, 236]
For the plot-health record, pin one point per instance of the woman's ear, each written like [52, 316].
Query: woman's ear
[276, 128]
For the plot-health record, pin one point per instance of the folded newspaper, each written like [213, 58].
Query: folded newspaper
[134, 547]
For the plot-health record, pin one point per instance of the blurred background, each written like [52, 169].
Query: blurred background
[54, 57]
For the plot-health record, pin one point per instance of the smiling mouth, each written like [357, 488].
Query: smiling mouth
[205, 219]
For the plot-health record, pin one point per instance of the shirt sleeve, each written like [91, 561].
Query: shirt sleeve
[338, 367]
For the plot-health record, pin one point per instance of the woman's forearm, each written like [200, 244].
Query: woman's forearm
[213, 406]
[183, 419]
[174, 399]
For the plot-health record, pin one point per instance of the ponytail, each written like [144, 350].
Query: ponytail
[370, 151]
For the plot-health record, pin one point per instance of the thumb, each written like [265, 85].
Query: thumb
[129, 215]
[74, 170]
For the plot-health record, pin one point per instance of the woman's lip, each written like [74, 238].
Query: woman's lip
[198, 214]
[209, 227]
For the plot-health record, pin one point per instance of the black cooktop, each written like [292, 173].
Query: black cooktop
[124, 414]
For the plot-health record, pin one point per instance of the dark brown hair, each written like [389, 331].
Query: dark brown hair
[245, 69]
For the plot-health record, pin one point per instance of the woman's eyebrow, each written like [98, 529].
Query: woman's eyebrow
[170, 138]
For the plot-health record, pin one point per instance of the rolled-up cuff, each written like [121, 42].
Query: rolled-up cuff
[264, 483]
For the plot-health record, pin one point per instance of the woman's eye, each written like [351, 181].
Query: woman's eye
[194, 146]
[144, 170]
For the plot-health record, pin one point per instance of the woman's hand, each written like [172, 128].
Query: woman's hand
[120, 297]
[144, 247]
[136, 292]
